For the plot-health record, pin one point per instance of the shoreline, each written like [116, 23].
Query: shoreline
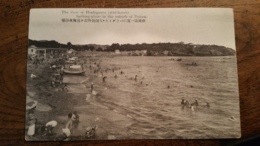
[55, 105]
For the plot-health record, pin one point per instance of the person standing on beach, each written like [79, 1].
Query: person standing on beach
[31, 122]
[104, 79]
[64, 87]
[76, 121]
[69, 125]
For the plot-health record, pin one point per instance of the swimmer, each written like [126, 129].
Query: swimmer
[104, 79]
[182, 101]
[195, 103]
[186, 103]
[92, 87]
[208, 105]
[192, 108]
[232, 118]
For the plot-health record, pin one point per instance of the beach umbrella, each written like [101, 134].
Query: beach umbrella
[31, 105]
[51, 123]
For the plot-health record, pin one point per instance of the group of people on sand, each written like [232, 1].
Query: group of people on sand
[38, 128]
[185, 103]
[54, 64]
[58, 75]
[34, 128]
[32, 122]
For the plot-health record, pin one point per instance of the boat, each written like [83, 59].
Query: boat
[70, 62]
[74, 69]
[73, 59]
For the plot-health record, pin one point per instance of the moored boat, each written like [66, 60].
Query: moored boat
[74, 69]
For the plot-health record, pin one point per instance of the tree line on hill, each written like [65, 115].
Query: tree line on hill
[154, 49]
[55, 44]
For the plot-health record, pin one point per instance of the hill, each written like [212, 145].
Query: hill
[155, 49]
[175, 49]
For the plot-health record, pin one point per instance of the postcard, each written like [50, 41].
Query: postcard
[138, 73]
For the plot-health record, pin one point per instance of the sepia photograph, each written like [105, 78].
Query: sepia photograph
[114, 74]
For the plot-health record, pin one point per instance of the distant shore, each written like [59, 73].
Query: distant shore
[144, 49]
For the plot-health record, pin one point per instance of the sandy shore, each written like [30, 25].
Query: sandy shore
[55, 105]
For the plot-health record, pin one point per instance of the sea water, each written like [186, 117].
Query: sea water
[149, 93]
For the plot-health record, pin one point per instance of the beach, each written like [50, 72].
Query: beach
[140, 97]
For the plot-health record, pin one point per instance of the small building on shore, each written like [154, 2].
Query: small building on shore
[165, 52]
[138, 53]
[33, 51]
[117, 51]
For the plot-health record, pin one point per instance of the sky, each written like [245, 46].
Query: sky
[189, 25]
